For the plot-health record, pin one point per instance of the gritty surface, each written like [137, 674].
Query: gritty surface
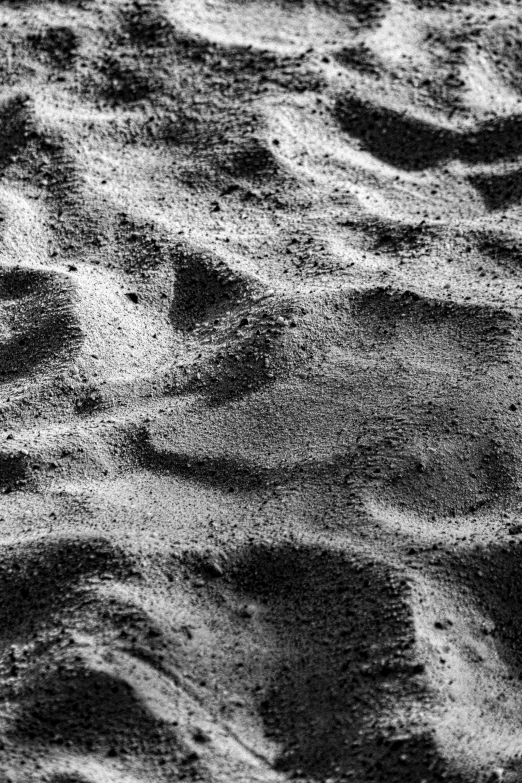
[261, 392]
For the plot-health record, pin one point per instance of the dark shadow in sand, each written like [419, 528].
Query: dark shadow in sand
[413, 144]
[39, 314]
[499, 191]
[347, 645]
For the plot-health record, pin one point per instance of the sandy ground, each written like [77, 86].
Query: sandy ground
[260, 353]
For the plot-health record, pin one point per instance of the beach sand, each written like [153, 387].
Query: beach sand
[261, 392]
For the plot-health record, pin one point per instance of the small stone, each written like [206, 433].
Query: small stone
[443, 624]
[201, 736]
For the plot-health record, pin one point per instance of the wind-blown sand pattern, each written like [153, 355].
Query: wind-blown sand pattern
[260, 356]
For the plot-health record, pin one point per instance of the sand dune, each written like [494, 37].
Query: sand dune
[260, 350]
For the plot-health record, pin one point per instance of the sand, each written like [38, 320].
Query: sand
[261, 392]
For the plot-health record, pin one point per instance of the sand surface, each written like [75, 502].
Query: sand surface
[261, 392]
